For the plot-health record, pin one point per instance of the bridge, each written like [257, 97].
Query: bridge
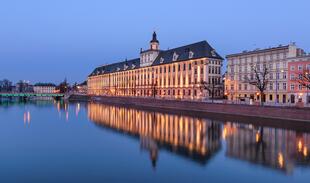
[58, 95]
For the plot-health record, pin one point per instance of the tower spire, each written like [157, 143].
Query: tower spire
[154, 40]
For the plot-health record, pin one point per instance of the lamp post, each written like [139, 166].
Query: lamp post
[307, 75]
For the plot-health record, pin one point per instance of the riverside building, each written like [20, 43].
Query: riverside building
[240, 70]
[174, 73]
[44, 88]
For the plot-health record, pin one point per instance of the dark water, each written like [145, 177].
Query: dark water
[46, 141]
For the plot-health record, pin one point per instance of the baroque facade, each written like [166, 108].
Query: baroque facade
[173, 74]
[275, 60]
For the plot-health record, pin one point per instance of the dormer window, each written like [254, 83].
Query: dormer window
[125, 66]
[118, 69]
[161, 60]
[191, 54]
[102, 71]
[213, 53]
[133, 66]
[98, 72]
[175, 56]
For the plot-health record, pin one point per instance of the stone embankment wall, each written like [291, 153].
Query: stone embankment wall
[286, 113]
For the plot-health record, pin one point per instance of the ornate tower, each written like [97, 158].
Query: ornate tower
[147, 57]
[154, 43]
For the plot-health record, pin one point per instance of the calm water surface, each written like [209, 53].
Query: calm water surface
[47, 141]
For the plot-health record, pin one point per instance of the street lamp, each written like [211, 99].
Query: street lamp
[307, 86]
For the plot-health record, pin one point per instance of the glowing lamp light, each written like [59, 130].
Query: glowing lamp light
[299, 146]
[305, 152]
[280, 160]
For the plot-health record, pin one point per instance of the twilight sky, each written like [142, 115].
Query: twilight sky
[49, 40]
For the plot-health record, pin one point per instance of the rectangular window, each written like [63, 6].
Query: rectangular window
[184, 67]
[189, 66]
[292, 87]
[284, 86]
[270, 86]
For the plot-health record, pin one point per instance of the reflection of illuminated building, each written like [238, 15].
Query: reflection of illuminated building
[27, 117]
[271, 147]
[191, 137]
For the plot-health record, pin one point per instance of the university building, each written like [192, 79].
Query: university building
[240, 70]
[173, 74]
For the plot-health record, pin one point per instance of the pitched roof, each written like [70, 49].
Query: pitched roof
[44, 84]
[192, 51]
[115, 67]
[199, 50]
[280, 47]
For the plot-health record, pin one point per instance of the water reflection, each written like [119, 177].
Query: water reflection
[27, 118]
[198, 139]
[276, 148]
[189, 137]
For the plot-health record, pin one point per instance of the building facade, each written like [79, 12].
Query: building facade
[44, 88]
[298, 68]
[173, 74]
[240, 68]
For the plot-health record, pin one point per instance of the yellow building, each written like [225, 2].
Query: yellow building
[174, 74]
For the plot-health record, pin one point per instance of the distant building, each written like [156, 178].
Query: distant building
[44, 88]
[240, 68]
[23, 87]
[174, 74]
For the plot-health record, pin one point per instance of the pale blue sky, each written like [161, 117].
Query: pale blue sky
[53, 39]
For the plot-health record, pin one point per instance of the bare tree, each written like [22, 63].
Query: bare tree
[5, 85]
[303, 78]
[260, 80]
[212, 88]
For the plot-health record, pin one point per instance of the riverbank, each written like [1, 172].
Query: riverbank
[265, 112]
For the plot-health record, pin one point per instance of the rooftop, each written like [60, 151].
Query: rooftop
[192, 51]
